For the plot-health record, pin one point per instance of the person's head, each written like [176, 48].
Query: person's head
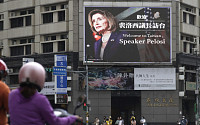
[31, 78]
[3, 69]
[101, 21]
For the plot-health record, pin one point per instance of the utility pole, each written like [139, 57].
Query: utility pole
[87, 89]
[197, 90]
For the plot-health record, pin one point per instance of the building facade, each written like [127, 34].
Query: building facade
[40, 29]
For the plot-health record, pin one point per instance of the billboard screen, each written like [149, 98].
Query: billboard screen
[116, 78]
[154, 79]
[127, 34]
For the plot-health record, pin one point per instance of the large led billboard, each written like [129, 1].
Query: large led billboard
[127, 34]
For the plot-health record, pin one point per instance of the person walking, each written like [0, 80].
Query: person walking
[117, 121]
[143, 121]
[184, 121]
[97, 121]
[121, 121]
[4, 94]
[133, 120]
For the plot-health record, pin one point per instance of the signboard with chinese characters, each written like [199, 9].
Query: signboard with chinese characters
[138, 34]
[115, 78]
[161, 102]
[154, 79]
[61, 80]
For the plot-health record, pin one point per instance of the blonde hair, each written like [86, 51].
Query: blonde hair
[111, 19]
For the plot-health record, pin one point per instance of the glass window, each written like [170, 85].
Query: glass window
[28, 49]
[47, 47]
[23, 12]
[28, 20]
[48, 18]
[53, 37]
[31, 40]
[184, 17]
[64, 36]
[22, 41]
[31, 11]
[17, 22]
[184, 47]
[61, 16]
[53, 7]
[1, 25]
[61, 46]
[191, 19]
[17, 50]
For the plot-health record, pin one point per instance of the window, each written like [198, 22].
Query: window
[28, 20]
[17, 50]
[28, 49]
[61, 46]
[17, 22]
[20, 18]
[1, 25]
[63, 6]
[23, 12]
[53, 37]
[191, 19]
[53, 7]
[1, 16]
[184, 17]
[185, 47]
[31, 11]
[48, 18]
[23, 41]
[61, 15]
[47, 47]
[64, 36]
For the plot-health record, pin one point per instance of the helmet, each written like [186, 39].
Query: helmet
[32, 73]
[3, 68]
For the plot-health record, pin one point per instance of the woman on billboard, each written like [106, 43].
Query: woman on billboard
[110, 47]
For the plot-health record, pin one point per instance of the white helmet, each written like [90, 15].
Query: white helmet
[32, 73]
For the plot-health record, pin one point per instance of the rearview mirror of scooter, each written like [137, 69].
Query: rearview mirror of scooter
[61, 113]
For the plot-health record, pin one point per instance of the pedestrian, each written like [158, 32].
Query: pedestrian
[97, 121]
[133, 120]
[104, 120]
[143, 121]
[4, 94]
[107, 121]
[27, 106]
[184, 121]
[117, 121]
[110, 120]
[121, 121]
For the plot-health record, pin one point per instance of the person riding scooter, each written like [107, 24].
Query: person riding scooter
[27, 106]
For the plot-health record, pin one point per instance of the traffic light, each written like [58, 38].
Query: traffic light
[84, 105]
